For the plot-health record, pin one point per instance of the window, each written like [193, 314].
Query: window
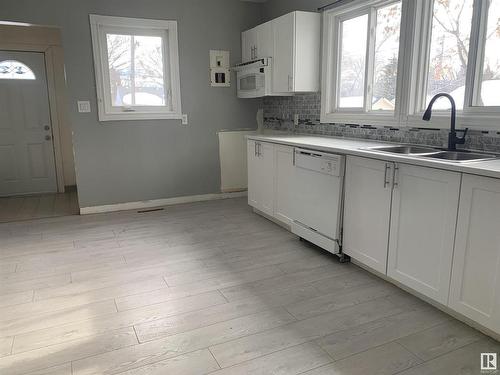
[386, 57]
[363, 62]
[12, 69]
[449, 51]
[489, 73]
[137, 68]
[353, 62]
[461, 40]
[383, 61]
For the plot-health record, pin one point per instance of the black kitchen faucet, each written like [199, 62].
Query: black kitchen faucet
[453, 140]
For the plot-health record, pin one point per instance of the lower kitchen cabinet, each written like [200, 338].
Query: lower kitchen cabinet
[283, 207]
[367, 211]
[261, 176]
[422, 230]
[475, 282]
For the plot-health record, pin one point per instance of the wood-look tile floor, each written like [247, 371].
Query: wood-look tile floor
[38, 206]
[207, 288]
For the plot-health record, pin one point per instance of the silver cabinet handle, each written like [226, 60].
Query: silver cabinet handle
[259, 150]
[255, 149]
[386, 173]
[395, 179]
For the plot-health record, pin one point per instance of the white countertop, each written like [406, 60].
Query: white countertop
[490, 168]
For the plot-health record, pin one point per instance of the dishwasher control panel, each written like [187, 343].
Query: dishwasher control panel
[321, 162]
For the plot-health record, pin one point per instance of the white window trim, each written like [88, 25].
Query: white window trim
[473, 117]
[484, 118]
[330, 112]
[415, 36]
[149, 27]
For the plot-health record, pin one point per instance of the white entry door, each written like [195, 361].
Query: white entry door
[26, 148]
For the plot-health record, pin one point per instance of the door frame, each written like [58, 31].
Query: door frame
[47, 40]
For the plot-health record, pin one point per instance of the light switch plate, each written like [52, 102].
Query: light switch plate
[83, 106]
[184, 119]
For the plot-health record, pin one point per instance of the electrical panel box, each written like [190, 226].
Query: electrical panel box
[220, 74]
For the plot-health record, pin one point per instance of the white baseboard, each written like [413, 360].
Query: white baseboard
[159, 202]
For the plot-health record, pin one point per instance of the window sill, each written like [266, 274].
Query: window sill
[131, 116]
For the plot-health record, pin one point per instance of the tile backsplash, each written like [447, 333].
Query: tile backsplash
[279, 113]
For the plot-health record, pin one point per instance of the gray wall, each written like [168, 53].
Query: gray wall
[275, 8]
[126, 161]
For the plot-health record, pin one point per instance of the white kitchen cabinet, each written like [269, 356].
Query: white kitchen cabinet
[257, 43]
[296, 38]
[284, 182]
[264, 46]
[367, 211]
[475, 281]
[261, 176]
[248, 43]
[293, 43]
[422, 230]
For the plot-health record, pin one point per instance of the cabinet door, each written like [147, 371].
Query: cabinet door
[265, 180]
[475, 282]
[307, 52]
[422, 232]
[284, 181]
[248, 42]
[264, 43]
[283, 32]
[367, 210]
[253, 173]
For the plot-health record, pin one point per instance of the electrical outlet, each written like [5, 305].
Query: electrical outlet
[184, 119]
[296, 119]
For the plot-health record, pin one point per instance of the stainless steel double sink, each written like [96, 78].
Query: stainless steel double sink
[433, 153]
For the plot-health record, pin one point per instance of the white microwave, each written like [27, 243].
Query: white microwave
[254, 78]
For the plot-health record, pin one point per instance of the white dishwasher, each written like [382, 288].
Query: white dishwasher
[318, 191]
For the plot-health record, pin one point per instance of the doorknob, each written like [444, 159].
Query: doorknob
[46, 127]
[48, 137]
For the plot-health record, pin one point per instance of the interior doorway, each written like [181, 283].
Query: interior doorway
[37, 174]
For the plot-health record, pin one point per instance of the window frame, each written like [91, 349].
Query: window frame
[413, 59]
[167, 30]
[330, 110]
[469, 116]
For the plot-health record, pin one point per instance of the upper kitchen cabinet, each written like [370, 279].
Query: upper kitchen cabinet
[248, 43]
[475, 281]
[293, 43]
[264, 47]
[422, 231]
[257, 43]
[296, 38]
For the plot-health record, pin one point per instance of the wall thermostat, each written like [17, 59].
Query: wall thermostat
[220, 74]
